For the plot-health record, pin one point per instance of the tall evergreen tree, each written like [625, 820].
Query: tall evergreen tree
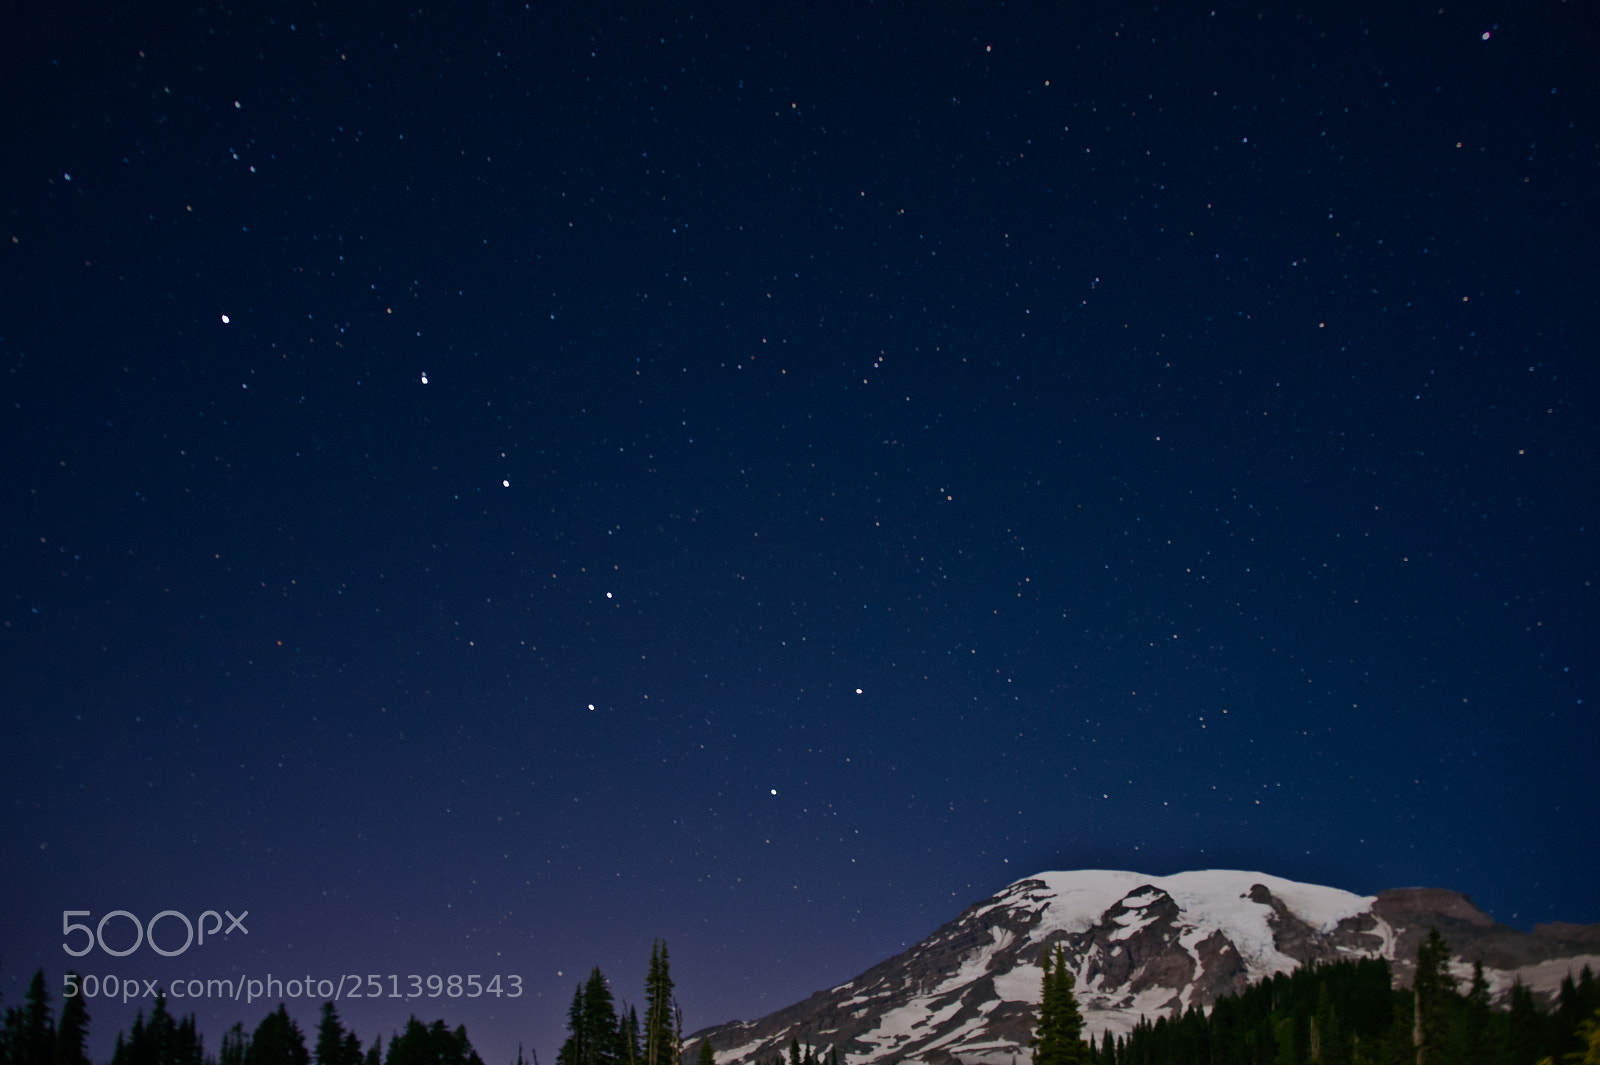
[660, 1020]
[123, 1053]
[160, 1033]
[234, 1044]
[1328, 1043]
[1433, 987]
[1301, 1052]
[572, 1051]
[1399, 1047]
[1264, 1044]
[604, 1035]
[632, 1053]
[596, 1037]
[32, 1029]
[453, 1047]
[410, 1045]
[1059, 1039]
[1522, 1029]
[1478, 1042]
[1576, 1003]
[330, 1045]
[186, 1044]
[73, 1031]
[277, 1041]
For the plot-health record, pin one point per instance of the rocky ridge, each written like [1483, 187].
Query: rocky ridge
[1140, 946]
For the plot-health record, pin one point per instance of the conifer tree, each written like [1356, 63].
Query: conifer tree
[1398, 1046]
[1477, 1035]
[409, 1046]
[330, 1047]
[234, 1042]
[147, 1040]
[660, 1022]
[600, 1021]
[632, 1054]
[160, 1035]
[73, 1031]
[1432, 986]
[1522, 1030]
[596, 1038]
[277, 1041]
[351, 1051]
[189, 1049]
[605, 1033]
[1059, 1039]
[1264, 1046]
[186, 1049]
[1569, 1024]
[707, 1056]
[123, 1053]
[31, 1030]
[452, 1047]
[1328, 1044]
[572, 1051]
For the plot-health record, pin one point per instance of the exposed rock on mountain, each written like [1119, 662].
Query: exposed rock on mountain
[1138, 946]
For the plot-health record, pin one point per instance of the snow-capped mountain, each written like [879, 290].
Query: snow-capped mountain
[1140, 946]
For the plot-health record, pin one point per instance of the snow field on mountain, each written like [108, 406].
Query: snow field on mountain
[1209, 898]
[977, 963]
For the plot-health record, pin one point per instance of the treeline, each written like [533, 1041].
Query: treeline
[30, 1034]
[601, 1033]
[798, 1056]
[1350, 1013]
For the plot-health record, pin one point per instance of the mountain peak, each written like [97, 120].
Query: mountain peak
[1138, 946]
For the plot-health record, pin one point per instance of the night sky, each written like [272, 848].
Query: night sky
[489, 488]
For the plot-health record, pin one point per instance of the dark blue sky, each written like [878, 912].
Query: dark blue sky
[489, 489]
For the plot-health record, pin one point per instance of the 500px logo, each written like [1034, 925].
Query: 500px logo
[146, 932]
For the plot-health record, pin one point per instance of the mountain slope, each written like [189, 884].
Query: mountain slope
[1139, 946]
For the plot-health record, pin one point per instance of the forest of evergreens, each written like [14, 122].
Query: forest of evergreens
[1350, 1013]
[31, 1034]
[1345, 1013]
